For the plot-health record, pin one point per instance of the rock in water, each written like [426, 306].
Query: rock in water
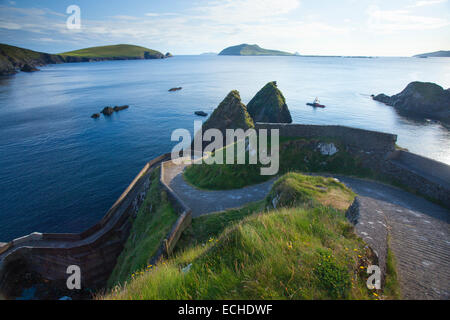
[175, 89]
[107, 111]
[424, 99]
[201, 113]
[120, 108]
[269, 105]
[95, 116]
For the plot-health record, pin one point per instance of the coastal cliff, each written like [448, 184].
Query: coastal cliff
[14, 59]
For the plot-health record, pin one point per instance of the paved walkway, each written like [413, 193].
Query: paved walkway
[419, 231]
[203, 201]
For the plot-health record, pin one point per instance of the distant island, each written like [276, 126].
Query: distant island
[251, 50]
[440, 53]
[14, 59]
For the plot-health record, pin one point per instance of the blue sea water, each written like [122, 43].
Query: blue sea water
[60, 170]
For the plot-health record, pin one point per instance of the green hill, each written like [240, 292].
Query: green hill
[251, 50]
[124, 51]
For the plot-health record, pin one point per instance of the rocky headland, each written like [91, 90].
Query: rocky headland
[14, 59]
[420, 99]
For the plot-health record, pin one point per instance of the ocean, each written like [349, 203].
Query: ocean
[60, 170]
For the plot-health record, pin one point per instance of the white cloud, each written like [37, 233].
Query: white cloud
[398, 20]
[230, 11]
[423, 3]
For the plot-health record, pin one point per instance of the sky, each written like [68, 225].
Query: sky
[319, 27]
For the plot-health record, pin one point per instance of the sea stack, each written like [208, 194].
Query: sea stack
[269, 105]
[230, 114]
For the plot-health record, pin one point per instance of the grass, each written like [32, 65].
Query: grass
[301, 252]
[294, 189]
[153, 222]
[121, 50]
[391, 286]
[206, 227]
[288, 254]
[296, 154]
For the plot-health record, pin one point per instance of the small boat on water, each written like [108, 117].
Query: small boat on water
[316, 104]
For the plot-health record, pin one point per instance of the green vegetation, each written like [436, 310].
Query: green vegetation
[116, 51]
[391, 286]
[153, 222]
[206, 227]
[295, 189]
[286, 254]
[296, 154]
[19, 53]
[305, 252]
[251, 50]
[269, 105]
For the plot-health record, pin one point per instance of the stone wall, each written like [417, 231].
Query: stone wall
[357, 138]
[377, 151]
[95, 250]
[423, 175]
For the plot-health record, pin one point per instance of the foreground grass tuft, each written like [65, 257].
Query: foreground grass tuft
[294, 189]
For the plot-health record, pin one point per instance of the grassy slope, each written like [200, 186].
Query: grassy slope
[20, 53]
[295, 155]
[121, 50]
[154, 220]
[293, 253]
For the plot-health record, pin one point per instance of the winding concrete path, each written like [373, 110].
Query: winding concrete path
[418, 230]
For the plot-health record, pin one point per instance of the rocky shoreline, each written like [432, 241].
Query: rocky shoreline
[426, 100]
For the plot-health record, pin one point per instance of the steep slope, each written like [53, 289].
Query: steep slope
[301, 252]
[269, 105]
[14, 59]
[251, 50]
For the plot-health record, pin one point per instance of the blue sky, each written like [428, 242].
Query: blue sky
[326, 27]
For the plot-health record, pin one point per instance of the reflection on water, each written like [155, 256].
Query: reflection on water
[61, 170]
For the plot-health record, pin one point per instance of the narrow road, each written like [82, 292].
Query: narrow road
[204, 201]
[418, 230]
